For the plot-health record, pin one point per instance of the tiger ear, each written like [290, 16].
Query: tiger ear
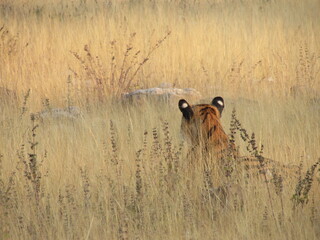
[185, 109]
[218, 102]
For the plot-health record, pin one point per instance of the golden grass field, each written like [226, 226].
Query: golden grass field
[118, 171]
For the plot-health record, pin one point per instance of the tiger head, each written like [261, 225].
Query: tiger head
[201, 125]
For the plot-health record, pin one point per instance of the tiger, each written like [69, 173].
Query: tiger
[201, 126]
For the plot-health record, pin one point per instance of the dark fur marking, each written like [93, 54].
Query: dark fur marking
[211, 131]
[205, 117]
[207, 110]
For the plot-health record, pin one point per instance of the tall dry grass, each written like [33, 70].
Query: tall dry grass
[120, 171]
[221, 44]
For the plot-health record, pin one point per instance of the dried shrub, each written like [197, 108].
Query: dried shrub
[113, 76]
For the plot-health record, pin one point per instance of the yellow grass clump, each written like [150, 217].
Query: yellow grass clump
[79, 162]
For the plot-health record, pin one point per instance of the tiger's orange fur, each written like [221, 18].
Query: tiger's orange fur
[201, 126]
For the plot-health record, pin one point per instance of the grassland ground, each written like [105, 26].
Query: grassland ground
[118, 170]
